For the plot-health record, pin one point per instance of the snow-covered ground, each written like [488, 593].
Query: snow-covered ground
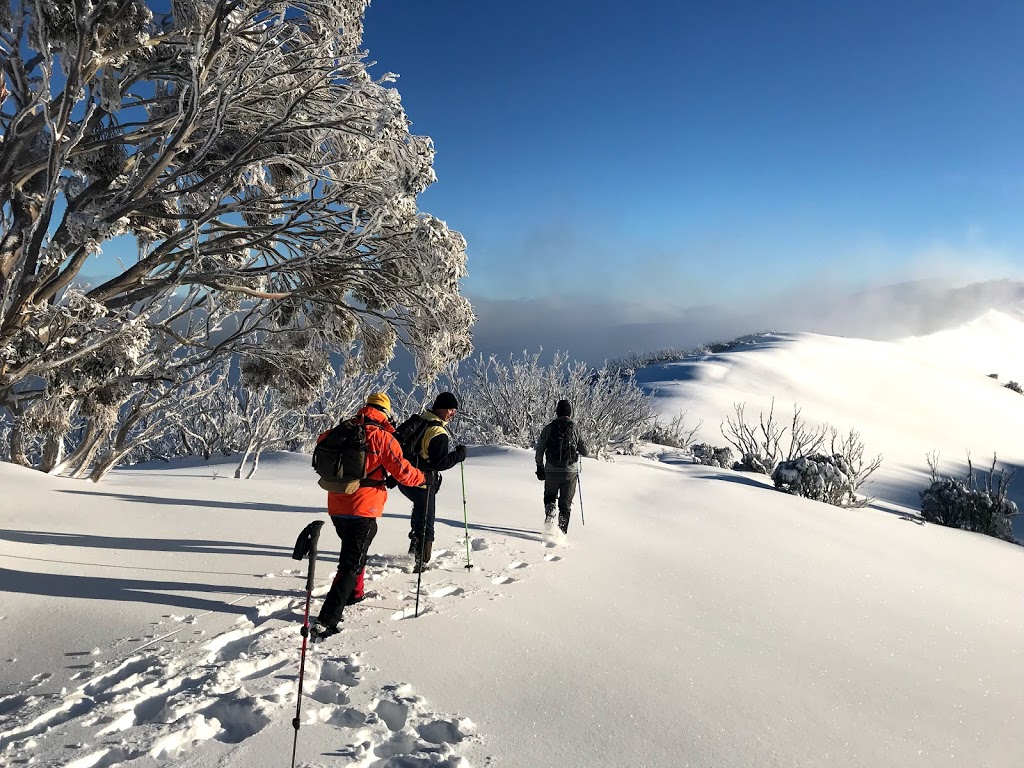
[698, 618]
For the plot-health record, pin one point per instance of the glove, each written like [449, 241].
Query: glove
[390, 482]
[460, 452]
[540, 472]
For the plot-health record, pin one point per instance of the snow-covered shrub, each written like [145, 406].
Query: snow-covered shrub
[754, 462]
[760, 445]
[961, 503]
[819, 477]
[508, 403]
[1015, 387]
[710, 456]
[674, 434]
[633, 361]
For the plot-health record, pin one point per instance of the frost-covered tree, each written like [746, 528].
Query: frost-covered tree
[260, 168]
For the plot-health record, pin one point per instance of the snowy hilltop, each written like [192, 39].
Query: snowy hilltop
[693, 616]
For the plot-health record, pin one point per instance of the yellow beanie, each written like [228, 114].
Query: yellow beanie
[380, 400]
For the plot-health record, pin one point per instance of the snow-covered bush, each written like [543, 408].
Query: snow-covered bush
[961, 503]
[674, 434]
[508, 403]
[760, 445]
[633, 361]
[1015, 387]
[819, 477]
[754, 462]
[710, 456]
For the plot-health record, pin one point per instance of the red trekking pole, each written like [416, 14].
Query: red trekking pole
[305, 545]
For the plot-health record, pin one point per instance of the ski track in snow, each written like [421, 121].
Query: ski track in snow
[179, 690]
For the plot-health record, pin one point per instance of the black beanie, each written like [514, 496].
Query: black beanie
[445, 400]
[564, 408]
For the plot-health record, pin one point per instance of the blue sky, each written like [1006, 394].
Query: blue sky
[707, 152]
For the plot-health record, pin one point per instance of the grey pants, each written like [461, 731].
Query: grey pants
[560, 486]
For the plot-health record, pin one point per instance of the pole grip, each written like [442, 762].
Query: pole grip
[306, 545]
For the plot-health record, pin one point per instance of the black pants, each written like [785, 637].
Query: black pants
[560, 486]
[356, 534]
[423, 503]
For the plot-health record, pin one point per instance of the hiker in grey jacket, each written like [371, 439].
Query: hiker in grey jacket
[559, 449]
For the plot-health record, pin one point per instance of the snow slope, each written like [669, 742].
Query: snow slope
[907, 398]
[698, 618]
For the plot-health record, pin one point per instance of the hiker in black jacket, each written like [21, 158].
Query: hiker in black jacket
[433, 453]
[558, 464]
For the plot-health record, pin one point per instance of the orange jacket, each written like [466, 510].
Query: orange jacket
[382, 453]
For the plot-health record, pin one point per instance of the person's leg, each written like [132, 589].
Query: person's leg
[424, 547]
[430, 506]
[566, 493]
[552, 480]
[360, 589]
[418, 497]
[356, 534]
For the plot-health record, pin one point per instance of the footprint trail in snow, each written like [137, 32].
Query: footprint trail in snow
[180, 690]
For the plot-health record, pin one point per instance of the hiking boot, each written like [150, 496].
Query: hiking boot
[365, 596]
[549, 514]
[563, 525]
[320, 632]
[421, 565]
[414, 546]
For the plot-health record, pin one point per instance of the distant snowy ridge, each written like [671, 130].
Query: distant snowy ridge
[907, 397]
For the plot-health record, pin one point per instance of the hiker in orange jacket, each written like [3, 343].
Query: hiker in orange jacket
[355, 515]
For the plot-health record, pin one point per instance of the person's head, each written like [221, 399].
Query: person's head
[381, 402]
[564, 409]
[445, 405]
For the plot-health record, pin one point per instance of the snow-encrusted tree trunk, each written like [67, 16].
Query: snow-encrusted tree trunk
[261, 169]
[149, 415]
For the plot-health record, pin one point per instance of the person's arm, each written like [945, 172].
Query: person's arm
[395, 463]
[438, 455]
[542, 443]
[581, 447]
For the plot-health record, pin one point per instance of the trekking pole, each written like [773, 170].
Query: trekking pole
[465, 516]
[305, 544]
[423, 540]
[579, 487]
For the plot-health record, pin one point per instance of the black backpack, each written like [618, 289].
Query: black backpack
[561, 448]
[340, 458]
[409, 435]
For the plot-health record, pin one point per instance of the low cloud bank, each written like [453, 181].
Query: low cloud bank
[595, 330]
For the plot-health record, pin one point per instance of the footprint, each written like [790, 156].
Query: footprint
[446, 731]
[552, 558]
[346, 671]
[516, 564]
[446, 591]
[393, 713]
[502, 580]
